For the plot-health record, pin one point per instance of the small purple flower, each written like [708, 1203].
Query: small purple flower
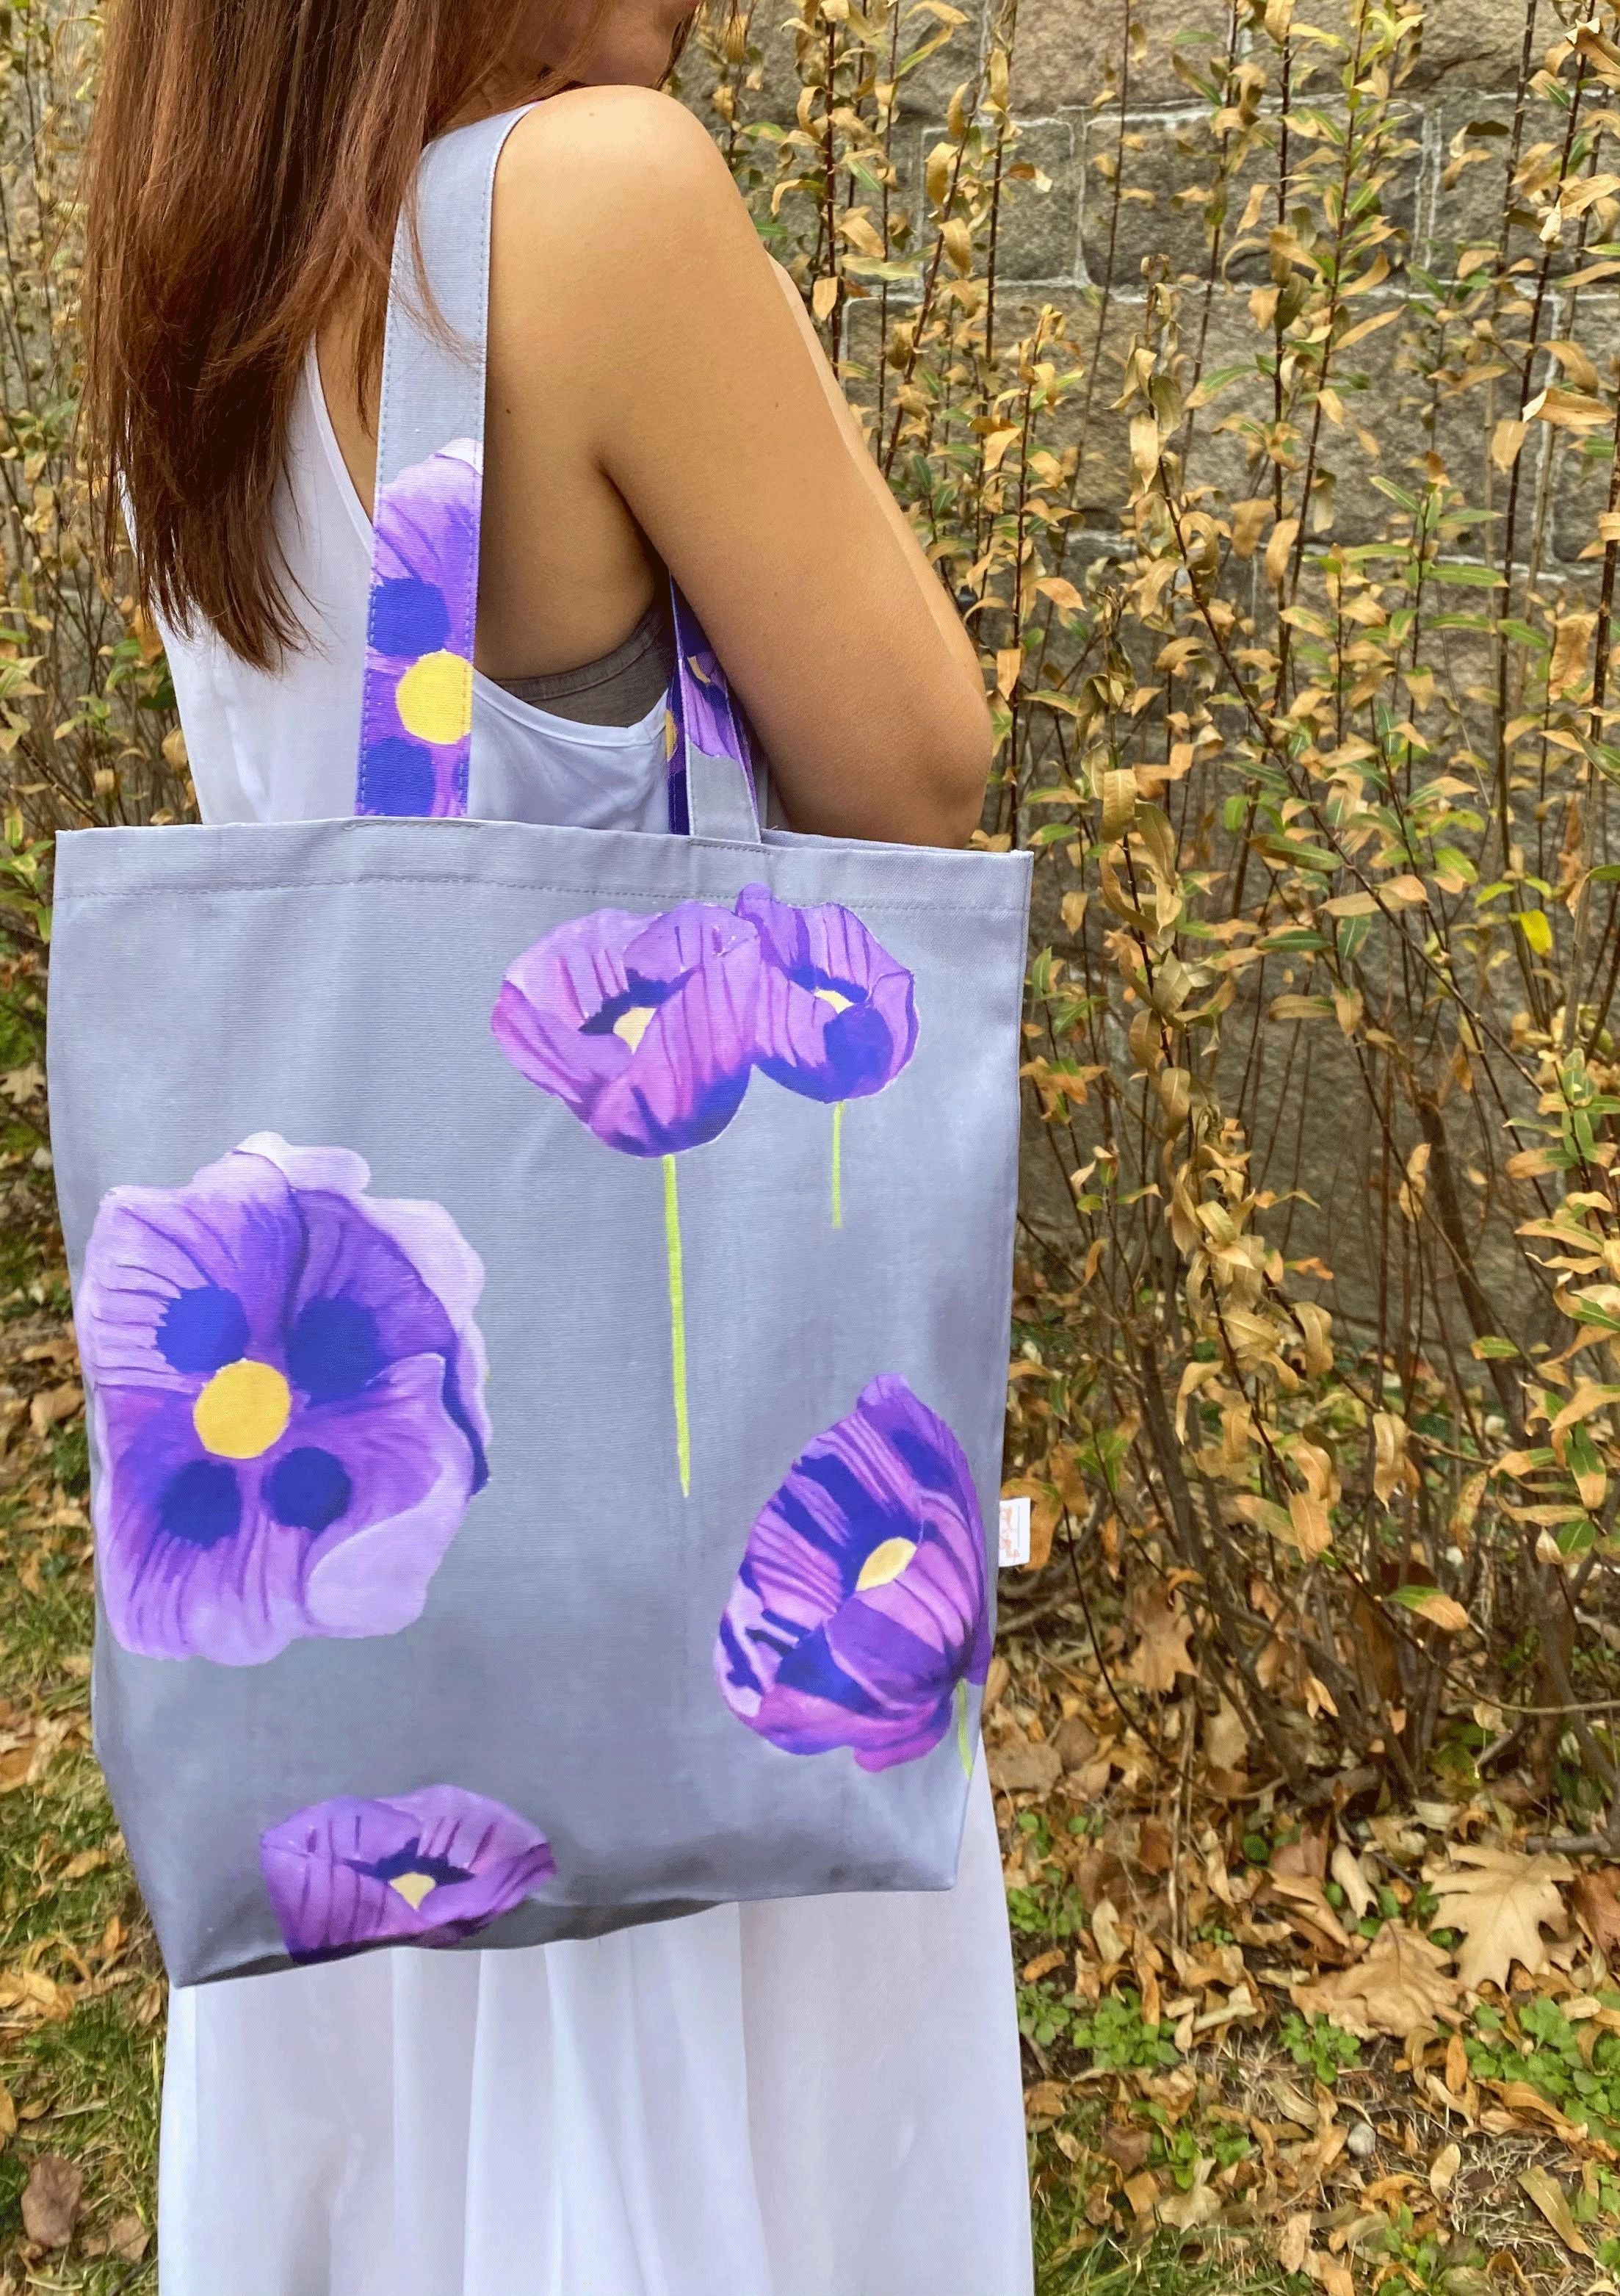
[701, 710]
[861, 1604]
[417, 736]
[837, 1018]
[644, 1027]
[424, 1868]
[287, 1394]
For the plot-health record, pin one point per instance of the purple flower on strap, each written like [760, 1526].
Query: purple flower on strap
[644, 1027]
[861, 1611]
[287, 1394]
[837, 1017]
[418, 729]
[424, 1868]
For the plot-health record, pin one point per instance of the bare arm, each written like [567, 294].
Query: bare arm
[707, 404]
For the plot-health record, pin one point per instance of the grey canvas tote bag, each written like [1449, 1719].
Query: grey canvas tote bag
[542, 1294]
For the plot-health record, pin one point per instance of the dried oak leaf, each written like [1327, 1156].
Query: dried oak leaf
[1501, 1907]
[51, 2200]
[1399, 1983]
[1161, 1654]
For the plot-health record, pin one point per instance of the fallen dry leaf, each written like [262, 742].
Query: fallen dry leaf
[1294, 2242]
[1016, 1768]
[8, 2116]
[1160, 1656]
[1501, 1907]
[1046, 2101]
[1127, 2148]
[1443, 2169]
[1226, 1737]
[1596, 1898]
[1195, 2205]
[1328, 2272]
[1347, 1872]
[1548, 2194]
[1075, 1742]
[1106, 1932]
[128, 2238]
[1141, 2192]
[52, 1405]
[21, 1084]
[51, 2200]
[1399, 1983]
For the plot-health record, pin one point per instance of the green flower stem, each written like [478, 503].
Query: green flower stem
[838, 1163]
[963, 1744]
[677, 1324]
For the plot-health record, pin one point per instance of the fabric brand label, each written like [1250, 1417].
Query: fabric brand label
[1015, 1532]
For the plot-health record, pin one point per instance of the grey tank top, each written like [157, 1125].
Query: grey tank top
[617, 689]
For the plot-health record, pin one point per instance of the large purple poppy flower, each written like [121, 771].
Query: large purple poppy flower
[422, 1868]
[837, 1017]
[644, 1027]
[861, 1601]
[418, 729]
[287, 1389]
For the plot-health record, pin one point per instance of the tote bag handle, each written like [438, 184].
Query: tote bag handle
[416, 720]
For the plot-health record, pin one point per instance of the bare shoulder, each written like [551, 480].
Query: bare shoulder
[621, 173]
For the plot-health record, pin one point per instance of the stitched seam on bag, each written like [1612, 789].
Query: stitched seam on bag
[501, 884]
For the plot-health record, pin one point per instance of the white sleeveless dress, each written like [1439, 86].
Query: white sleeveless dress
[814, 2097]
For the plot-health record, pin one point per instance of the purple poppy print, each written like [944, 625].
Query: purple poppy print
[861, 1610]
[287, 1397]
[424, 1868]
[642, 1027]
[701, 710]
[418, 711]
[837, 1016]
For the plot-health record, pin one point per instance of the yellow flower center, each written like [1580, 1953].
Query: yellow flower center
[632, 1026]
[832, 996]
[434, 699]
[414, 1888]
[242, 1410]
[887, 1561]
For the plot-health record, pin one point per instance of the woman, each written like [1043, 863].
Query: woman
[814, 2098]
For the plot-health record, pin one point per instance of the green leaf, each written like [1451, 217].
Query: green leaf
[1467, 576]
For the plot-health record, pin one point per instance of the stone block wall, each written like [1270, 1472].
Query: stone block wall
[1088, 100]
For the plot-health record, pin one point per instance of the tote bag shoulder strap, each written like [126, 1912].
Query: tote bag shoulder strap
[416, 720]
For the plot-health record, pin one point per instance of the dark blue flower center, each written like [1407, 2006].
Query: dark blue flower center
[638, 995]
[201, 1503]
[414, 1860]
[308, 1490]
[399, 778]
[202, 1330]
[409, 617]
[334, 1350]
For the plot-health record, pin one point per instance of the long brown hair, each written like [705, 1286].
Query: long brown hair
[249, 161]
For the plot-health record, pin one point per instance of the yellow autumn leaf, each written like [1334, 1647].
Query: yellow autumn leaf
[1277, 551]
